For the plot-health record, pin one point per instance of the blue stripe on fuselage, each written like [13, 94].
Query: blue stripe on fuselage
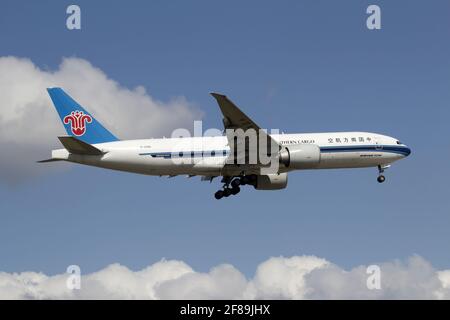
[403, 150]
[373, 148]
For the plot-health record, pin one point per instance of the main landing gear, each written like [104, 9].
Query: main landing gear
[232, 185]
[381, 178]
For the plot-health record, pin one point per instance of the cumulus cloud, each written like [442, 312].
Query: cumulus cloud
[298, 277]
[283, 278]
[29, 123]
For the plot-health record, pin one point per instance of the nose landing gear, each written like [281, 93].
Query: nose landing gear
[381, 178]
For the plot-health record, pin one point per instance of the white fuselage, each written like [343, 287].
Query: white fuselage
[207, 155]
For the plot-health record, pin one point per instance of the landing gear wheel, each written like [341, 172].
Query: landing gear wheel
[226, 192]
[235, 190]
[244, 180]
[218, 195]
[381, 179]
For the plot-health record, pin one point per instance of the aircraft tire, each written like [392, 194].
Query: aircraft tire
[235, 190]
[218, 195]
[226, 192]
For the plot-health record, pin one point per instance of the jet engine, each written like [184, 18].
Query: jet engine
[271, 181]
[300, 156]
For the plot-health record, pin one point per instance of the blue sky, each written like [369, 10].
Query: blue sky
[301, 66]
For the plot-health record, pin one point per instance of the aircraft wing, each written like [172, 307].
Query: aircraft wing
[234, 118]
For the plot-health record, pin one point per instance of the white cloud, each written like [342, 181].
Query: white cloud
[222, 282]
[414, 279]
[29, 123]
[283, 278]
[298, 277]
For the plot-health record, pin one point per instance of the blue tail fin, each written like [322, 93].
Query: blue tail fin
[77, 121]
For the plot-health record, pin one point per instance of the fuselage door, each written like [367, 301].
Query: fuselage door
[378, 143]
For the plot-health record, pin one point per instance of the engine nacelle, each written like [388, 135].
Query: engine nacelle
[271, 181]
[300, 156]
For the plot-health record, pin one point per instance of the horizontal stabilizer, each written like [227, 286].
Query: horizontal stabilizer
[76, 146]
[49, 160]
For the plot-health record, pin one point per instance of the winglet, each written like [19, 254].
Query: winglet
[217, 95]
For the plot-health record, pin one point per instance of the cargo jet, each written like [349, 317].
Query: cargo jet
[233, 157]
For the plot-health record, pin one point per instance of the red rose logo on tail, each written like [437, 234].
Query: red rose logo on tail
[77, 121]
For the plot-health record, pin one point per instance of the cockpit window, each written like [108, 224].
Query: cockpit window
[398, 142]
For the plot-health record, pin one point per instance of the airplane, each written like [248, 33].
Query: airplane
[90, 143]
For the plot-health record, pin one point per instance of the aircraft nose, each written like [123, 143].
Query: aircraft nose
[407, 151]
